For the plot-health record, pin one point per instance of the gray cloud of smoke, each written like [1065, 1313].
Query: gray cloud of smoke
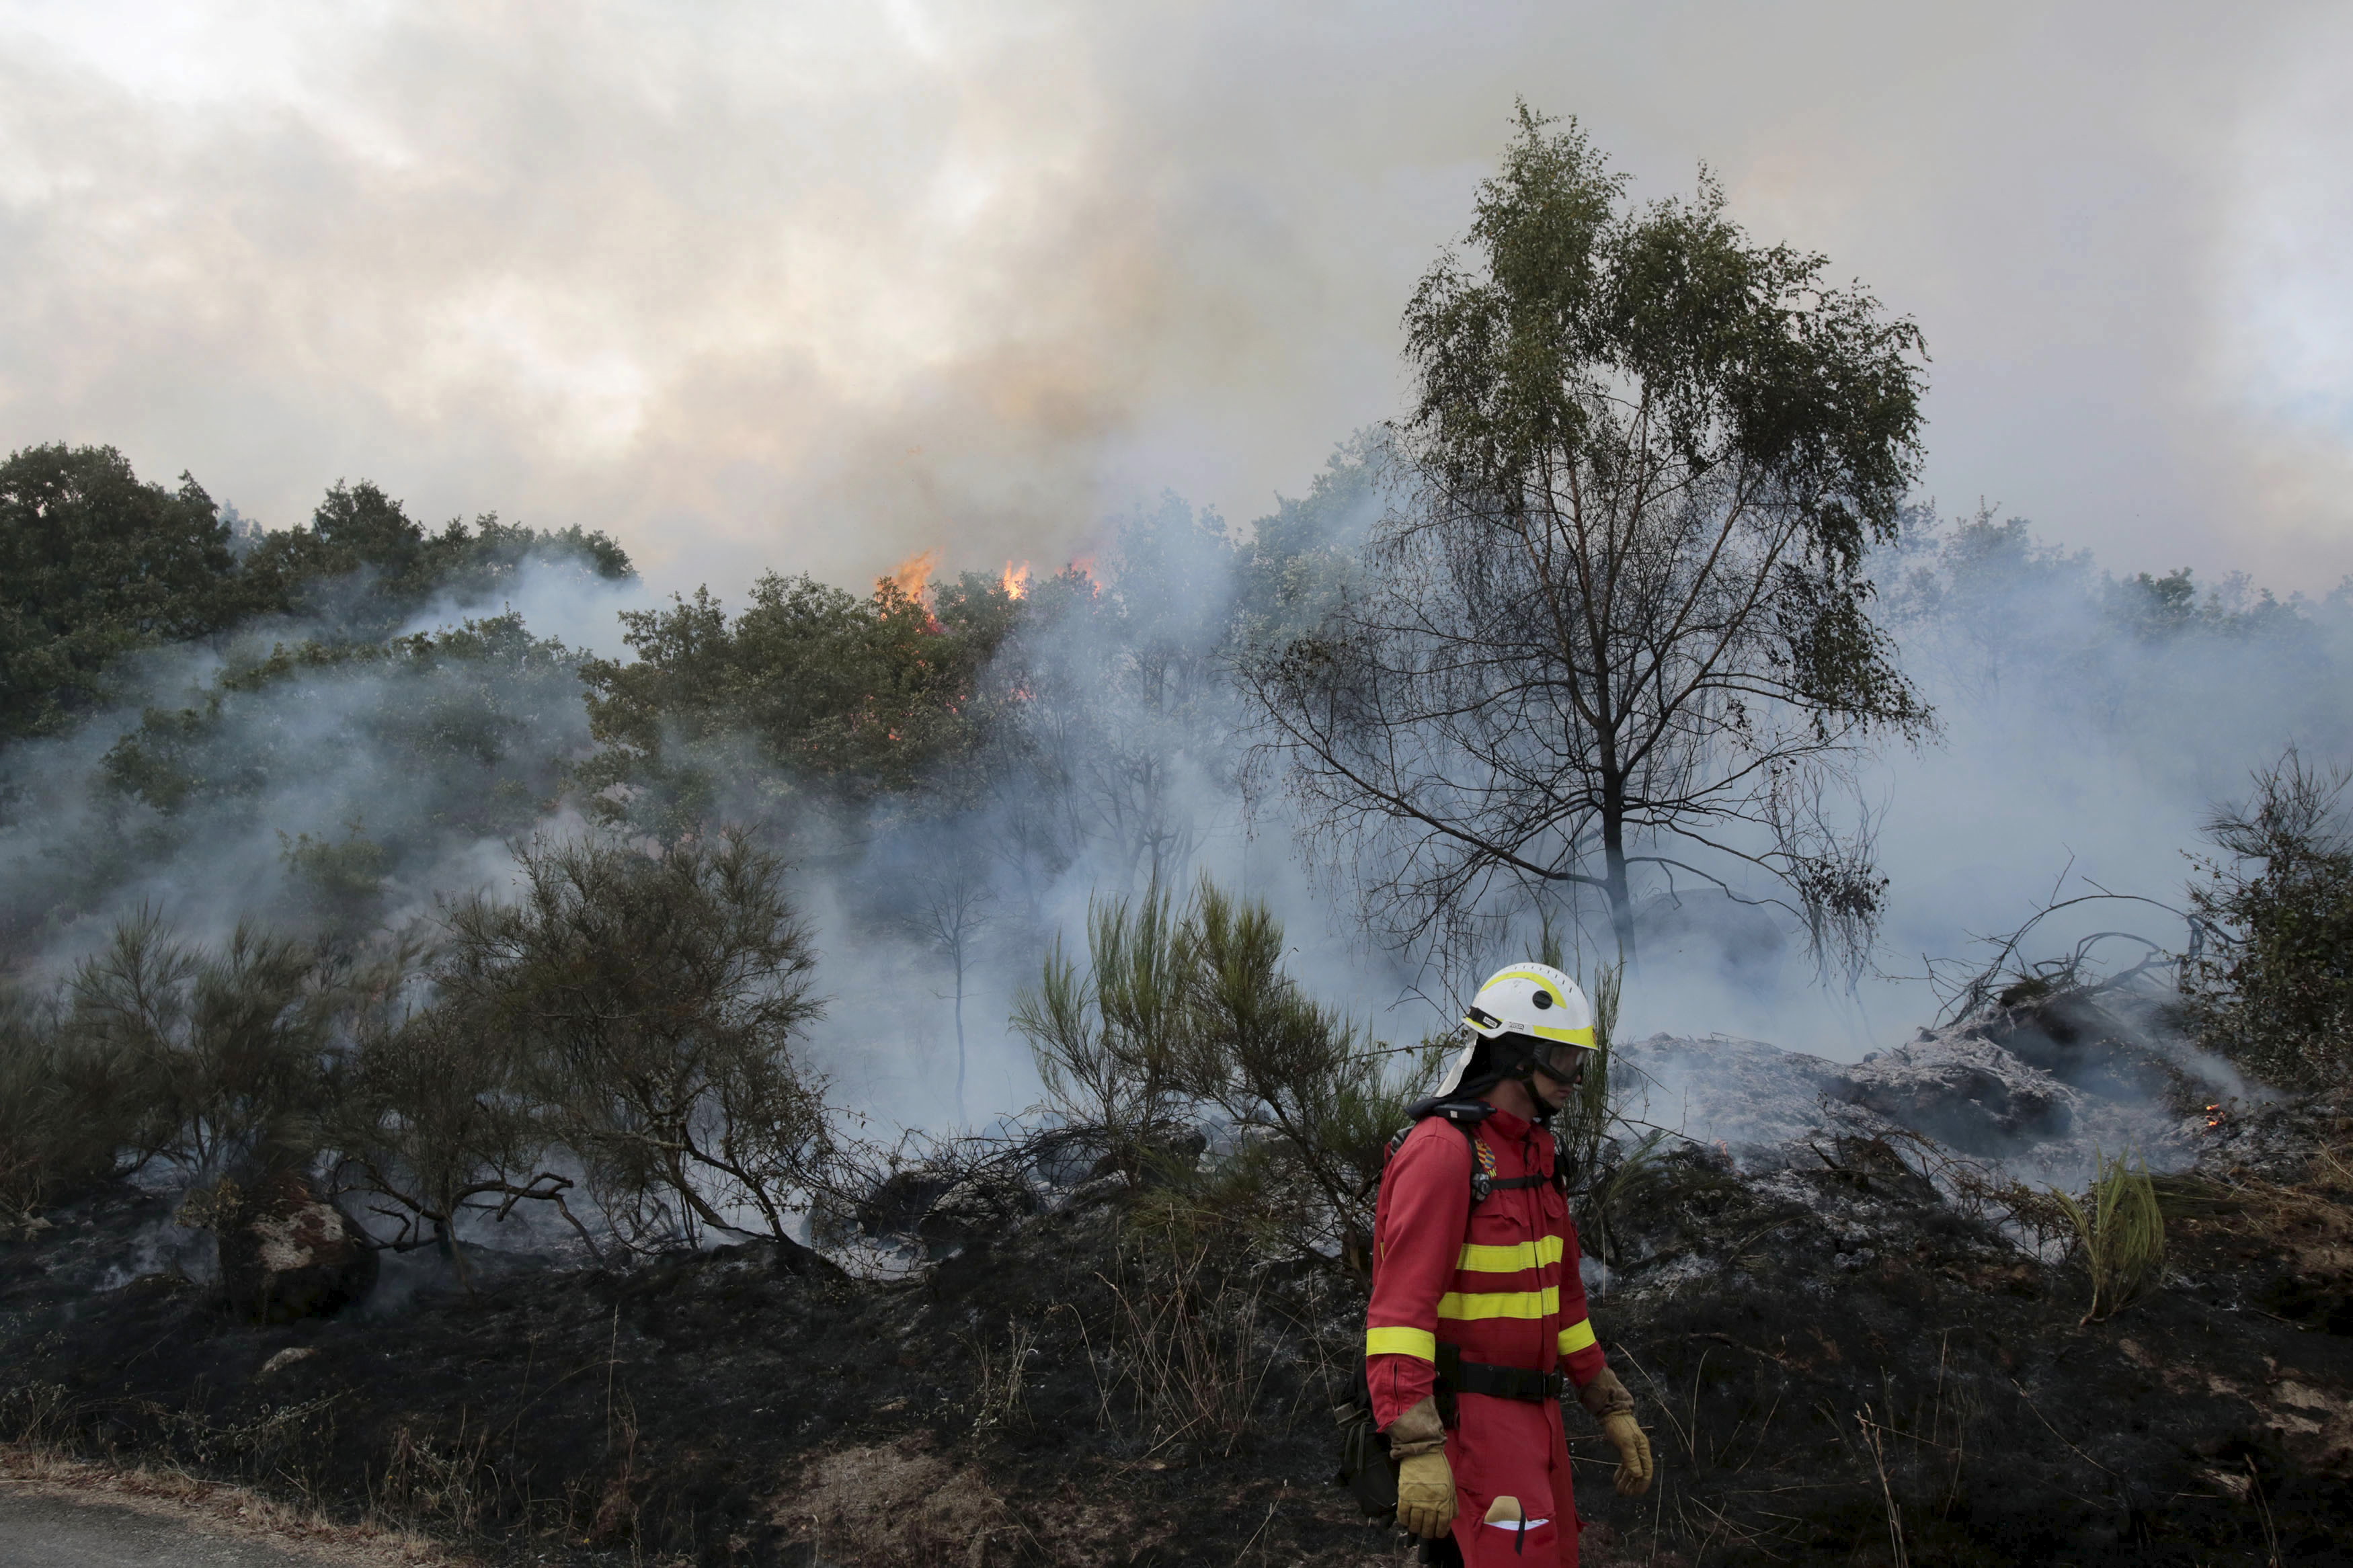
[2072, 743]
[816, 288]
[816, 291]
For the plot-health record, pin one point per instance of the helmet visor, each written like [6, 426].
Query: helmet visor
[1565, 1063]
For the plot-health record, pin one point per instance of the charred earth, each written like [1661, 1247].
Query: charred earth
[1858, 1336]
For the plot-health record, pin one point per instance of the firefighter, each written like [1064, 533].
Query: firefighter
[1477, 1325]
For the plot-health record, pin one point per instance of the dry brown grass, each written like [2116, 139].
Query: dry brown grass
[899, 1507]
[211, 1508]
[2305, 1222]
[1185, 1347]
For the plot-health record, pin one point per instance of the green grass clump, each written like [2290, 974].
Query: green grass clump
[2119, 1233]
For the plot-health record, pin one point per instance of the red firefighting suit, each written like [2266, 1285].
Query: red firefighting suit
[1502, 1282]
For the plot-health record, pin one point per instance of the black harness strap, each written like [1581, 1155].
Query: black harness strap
[1466, 1115]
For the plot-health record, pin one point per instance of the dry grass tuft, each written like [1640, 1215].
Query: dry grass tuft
[897, 1506]
[1186, 1346]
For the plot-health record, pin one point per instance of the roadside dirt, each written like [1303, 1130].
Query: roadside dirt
[58, 1513]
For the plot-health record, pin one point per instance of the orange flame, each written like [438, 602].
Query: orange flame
[1016, 581]
[913, 576]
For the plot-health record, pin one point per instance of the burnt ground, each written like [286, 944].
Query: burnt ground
[1839, 1362]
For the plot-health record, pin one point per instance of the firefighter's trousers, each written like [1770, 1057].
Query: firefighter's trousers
[1515, 1448]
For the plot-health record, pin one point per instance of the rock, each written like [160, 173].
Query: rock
[287, 1253]
[898, 1204]
[1178, 1149]
[285, 1358]
[1744, 1095]
[2039, 1089]
[1097, 1192]
[942, 1207]
[1966, 1092]
[977, 1205]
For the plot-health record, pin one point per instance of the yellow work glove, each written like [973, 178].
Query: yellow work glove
[1426, 1495]
[1606, 1400]
[1634, 1468]
[1425, 1481]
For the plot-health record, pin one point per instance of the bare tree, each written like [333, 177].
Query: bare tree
[1120, 686]
[1617, 625]
[950, 908]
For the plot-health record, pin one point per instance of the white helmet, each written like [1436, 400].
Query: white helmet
[1532, 999]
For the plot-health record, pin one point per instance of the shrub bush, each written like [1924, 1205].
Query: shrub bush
[2273, 990]
[650, 1003]
[65, 1117]
[1187, 1014]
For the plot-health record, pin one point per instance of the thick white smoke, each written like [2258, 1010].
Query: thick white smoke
[2087, 723]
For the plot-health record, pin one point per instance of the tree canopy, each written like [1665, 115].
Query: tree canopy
[1620, 625]
[96, 563]
[808, 683]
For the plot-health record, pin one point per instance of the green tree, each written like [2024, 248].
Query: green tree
[857, 697]
[94, 564]
[226, 1052]
[1109, 1040]
[1323, 1101]
[1302, 557]
[70, 1108]
[437, 1120]
[1177, 1009]
[481, 719]
[363, 565]
[1621, 626]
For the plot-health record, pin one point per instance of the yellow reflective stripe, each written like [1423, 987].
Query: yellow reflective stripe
[1577, 1336]
[1418, 1343]
[1559, 1037]
[1512, 1259]
[1532, 977]
[1473, 1304]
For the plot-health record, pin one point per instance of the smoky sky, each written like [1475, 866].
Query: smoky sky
[812, 286]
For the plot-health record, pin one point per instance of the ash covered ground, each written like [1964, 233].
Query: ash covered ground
[1855, 1335]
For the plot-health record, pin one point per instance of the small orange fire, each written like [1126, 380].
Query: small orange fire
[1016, 581]
[2213, 1117]
[913, 576]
